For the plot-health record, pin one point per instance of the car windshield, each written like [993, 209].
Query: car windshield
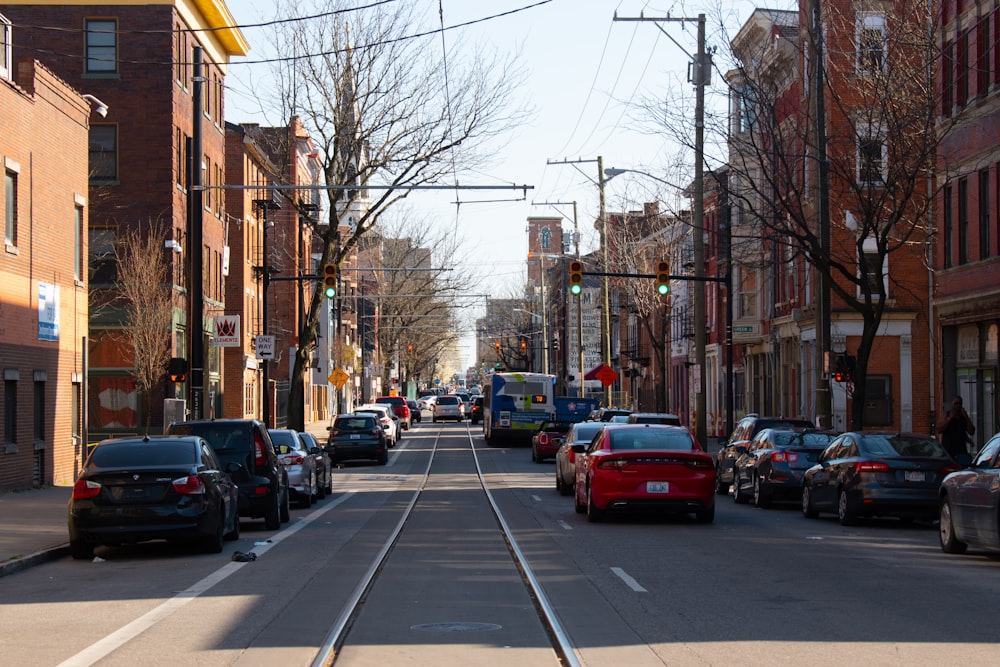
[354, 424]
[650, 439]
[222, 437]
[903, 445]
[448, 400]
[793, 439]
[141, 454]
[585, 432]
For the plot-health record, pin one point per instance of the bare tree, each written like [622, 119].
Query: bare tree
[145, 295]
[384, 106]
[880, 141]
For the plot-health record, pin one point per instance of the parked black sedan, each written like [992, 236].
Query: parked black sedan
[153, 488]
[770, 467]
[970, 503]
[876, 473]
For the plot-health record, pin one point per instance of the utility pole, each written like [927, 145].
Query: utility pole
[195, 214]
[605, 282]
[700, 76]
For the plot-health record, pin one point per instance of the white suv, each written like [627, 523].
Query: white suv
[448, 407]
[386, 418]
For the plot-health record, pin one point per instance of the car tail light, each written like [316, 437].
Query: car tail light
[612, 464]
[871, 466]
[785, 457]
[543, 439]
[334, 433]
[188, 485]
[85, 488]
[571, 456]
[292, 459]
[376, 431]
[950, 468]
[259, 457]
[700, 464]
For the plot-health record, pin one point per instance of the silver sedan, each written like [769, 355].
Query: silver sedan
[579, 434]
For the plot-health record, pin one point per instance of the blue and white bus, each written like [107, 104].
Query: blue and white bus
[515, 404]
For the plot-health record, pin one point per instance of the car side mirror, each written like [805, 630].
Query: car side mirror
[740, 449]
[579, 449]
[964, 460]
[233, 467]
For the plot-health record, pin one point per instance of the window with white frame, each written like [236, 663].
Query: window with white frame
[872, 156]
[870, 41]
[6, 64]
[873, 270]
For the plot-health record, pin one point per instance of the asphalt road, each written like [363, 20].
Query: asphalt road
[757, 587]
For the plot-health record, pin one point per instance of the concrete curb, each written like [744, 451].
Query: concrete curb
[18, 564]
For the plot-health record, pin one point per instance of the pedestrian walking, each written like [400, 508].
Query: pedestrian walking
[956, 428]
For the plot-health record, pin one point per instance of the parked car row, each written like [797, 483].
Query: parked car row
[194, 484]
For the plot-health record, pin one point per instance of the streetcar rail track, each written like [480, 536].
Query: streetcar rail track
[335, 638]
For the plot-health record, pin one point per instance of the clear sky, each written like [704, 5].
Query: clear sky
[586, 74]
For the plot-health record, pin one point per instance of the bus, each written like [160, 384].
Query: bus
[515, 405]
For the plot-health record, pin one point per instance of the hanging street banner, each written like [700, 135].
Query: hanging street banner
[227, 331]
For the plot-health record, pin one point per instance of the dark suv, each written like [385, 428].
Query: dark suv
[399, 407]
[262, 480]
[743, 433]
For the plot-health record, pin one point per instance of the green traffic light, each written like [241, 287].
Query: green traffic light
[663, 290]
[575, 290]
[330, 292]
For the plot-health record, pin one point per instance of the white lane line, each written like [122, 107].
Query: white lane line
[629, 581]
[564, 525]
[536, 498]
[126, 633]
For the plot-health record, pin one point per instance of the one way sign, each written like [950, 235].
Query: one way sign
[264, 345]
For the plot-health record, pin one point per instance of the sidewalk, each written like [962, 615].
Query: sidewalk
[33, 527]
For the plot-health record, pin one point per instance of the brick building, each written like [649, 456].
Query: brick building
[43, 273]
[137, 59]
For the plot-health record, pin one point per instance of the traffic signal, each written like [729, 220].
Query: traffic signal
[177, 369]
[497, 346]
[524, 346]
[330, 280]
[575, 277]
[842, 368]
[663, 278]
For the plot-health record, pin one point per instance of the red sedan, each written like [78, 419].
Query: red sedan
[644, 467]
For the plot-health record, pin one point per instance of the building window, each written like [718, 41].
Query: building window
[10, 207]
[40, 412]
[871, 159]
[949, 227]
[878, 400]
[102, 49]
[9, 408]
[962, 70]
[6, 64]
[102, 255]
[984, 214]
[78, 243]
[103, 153]
[748, 293]
[963, 221]
[983, 57]
[870, 43]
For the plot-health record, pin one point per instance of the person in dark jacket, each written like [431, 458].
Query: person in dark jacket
[955, 428]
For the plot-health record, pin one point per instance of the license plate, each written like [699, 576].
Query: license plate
[913, 476]
[355, 436]
[657, 487]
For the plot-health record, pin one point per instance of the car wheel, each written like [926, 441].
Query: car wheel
[844, 513]
[383, 459]
[739, 496]
[321, 490]
[721, 488]
[706, 515]
[272, 520]
[577, 505]
[81, 550]
[306, 498]
[329, 481]
[808, 510]
[559, 484]
[212, 544]
[286, 514]
[234, 534]
[434, 420]
[760, 498]
[594, 515]
[946, 531]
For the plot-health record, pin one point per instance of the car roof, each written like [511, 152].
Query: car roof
[146, 439]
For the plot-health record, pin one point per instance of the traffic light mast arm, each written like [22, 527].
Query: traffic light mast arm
[704, 279]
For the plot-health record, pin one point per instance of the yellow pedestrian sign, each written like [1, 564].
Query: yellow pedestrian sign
[337, 378]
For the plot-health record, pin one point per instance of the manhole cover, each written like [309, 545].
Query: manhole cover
[455, 626]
